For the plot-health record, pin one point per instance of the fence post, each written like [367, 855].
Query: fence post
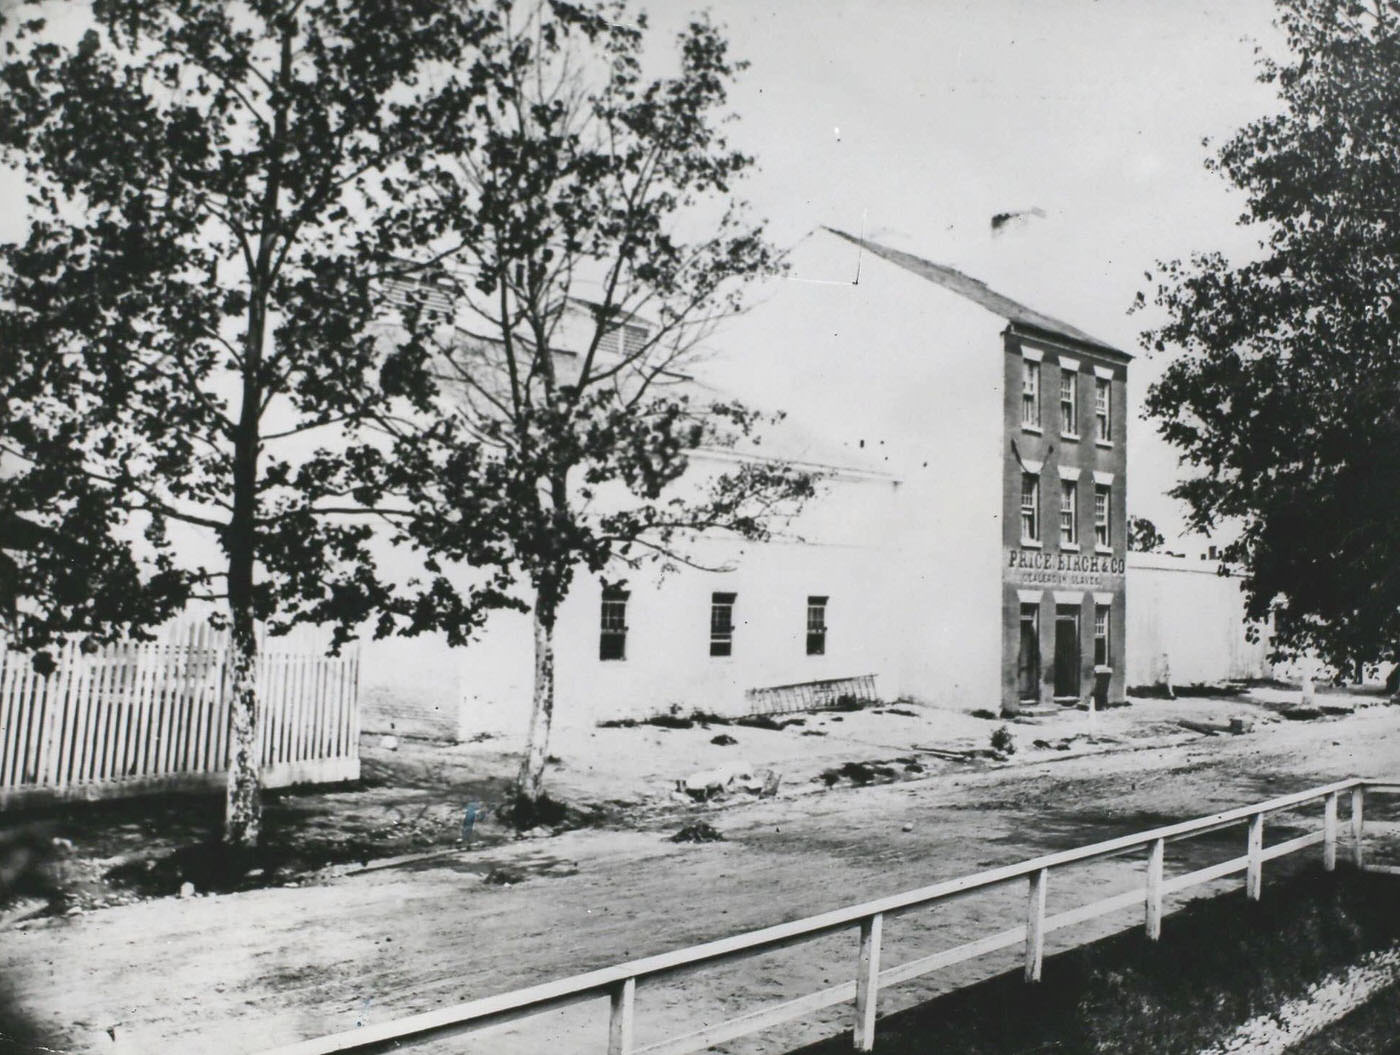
[868, 982]
[1329, 832]
[624, 997]
[1358, 820]
[1154, 888]
[1035, 924]
[1254, 876]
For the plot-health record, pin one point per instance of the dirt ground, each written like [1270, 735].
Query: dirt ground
[245, 971]
[418, 797]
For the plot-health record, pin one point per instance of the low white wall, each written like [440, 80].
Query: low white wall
[1183, 614]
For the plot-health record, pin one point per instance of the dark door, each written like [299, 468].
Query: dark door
[1067, 652]
[1028, 658]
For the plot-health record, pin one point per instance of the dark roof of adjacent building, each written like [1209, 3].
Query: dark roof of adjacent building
[977, 291]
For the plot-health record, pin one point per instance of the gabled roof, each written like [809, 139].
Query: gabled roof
[1014, 312]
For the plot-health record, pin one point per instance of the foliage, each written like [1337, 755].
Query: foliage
[1285, 382]
[1143, 536]
[1003, 741]
[602, 244]
[195, 343]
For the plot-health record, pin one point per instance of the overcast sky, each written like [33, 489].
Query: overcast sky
[918, 120]
[921, 119]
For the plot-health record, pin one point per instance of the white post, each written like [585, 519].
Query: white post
[1154, 889]
[1358, 820]
[624, 996]
[868, 982]
[1035, 924]
[1329, 832]
[1254, 876]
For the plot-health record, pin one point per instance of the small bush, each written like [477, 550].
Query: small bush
[985, 714]
[1003, 741]
[522, 813]
[700, 832]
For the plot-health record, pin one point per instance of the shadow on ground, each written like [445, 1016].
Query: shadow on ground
[1219, 963]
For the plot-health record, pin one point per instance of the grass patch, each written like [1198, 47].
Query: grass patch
[1220, 962]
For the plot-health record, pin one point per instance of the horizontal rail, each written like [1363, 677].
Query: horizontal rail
[958, 954]
[1282, 849]
[1205, 875]
[491, 1010]
[753, 1022]
[1093, 910]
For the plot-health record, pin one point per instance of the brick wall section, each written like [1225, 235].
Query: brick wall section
[1102, 573]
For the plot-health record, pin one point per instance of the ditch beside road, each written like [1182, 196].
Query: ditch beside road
[242, 972]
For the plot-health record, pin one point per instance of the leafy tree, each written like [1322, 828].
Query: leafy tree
[603, 247]
[1285, 387]
[1143, 536]
[221, 198]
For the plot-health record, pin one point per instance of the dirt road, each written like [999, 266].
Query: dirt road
[243, 972]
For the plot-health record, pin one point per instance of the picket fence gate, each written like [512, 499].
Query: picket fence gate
[134, 717]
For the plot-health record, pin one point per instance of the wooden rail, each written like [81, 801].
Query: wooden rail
[619, 983]
[811, 695]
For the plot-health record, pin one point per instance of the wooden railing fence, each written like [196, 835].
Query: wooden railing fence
[619, 984]
[132, 717]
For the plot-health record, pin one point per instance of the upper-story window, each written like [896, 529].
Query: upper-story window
[1030, 507]
[1101, 507]
[816, 626]
[1102, 396]
[1069, 508]
[1069, 398]
[1030, 394]
[612, 629]
[722, 624]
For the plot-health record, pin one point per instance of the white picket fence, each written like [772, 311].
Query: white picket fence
[135, 717]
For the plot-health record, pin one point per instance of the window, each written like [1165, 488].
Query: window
[1101, 432]
[722, 624]
[1030, 505]
[1030, 394]
[1069, 408]
[1101, 506]
[612, 629]
[1069, 502]
[1101, 653]
[816, 626]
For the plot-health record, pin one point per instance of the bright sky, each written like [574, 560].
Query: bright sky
[921, 119]
[918, 120]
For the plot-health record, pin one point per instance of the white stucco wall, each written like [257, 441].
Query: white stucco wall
[893, 378]
[1181, 613]
[897, 369]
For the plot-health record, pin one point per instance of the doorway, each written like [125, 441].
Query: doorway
[1067, 651]
[1028, 657]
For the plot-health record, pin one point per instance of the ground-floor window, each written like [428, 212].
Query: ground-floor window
[1028, 656]
[612, 632]
[1101, 646]
[816, 626]
[722, 624]
[1067, 650]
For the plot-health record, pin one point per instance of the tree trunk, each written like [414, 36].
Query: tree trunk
[243, 808]
[243, 811]
[530, 782]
